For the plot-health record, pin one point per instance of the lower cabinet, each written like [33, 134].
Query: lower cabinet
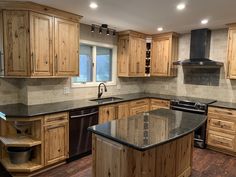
[107, 113]
[56, 137]
[221, 129]
[139, 106]
[157, 104]
[130, 108]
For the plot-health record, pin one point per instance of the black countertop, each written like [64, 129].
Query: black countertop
[222, 104]
[146, 130]
[21, 110]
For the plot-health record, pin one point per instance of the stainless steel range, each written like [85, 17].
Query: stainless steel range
[197, 106]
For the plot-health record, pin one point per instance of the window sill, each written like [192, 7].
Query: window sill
[84, 85]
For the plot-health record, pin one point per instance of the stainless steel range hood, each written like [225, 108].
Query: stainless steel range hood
[199, 51]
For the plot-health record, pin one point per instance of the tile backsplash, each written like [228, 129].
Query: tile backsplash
[39, 91]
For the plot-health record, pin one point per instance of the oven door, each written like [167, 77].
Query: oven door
[185, 109]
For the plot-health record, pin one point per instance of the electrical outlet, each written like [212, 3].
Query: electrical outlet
[66, 90]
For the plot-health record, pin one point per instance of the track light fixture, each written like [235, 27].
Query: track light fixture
[103, 27]
[92, 28]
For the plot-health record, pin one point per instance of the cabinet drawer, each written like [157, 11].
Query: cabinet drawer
[139, 103]
[222, 111]
[157, 104]
[221, 140]
[222, 125]
[56, 118]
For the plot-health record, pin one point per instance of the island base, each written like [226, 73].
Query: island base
[172, 159]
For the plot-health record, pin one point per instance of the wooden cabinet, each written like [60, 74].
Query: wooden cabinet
[66, 47]
[221, 129]
[139, 106]
[157, 104]
[56, 134]
[164, 52]
[16, 46]
[131, 54]
[107, 113]
[231, 52]
[39, 42]
[123, 110]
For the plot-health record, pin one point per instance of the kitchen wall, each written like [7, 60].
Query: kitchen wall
[38, 91]
[225, 90]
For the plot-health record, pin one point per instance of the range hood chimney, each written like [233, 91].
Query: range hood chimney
[199, 51]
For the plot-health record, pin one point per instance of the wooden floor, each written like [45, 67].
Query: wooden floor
[206, 163]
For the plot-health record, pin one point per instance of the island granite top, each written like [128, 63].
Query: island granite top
[150, 129]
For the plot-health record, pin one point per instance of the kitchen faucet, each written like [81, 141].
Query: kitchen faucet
[100, 90]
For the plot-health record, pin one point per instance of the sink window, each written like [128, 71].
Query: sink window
[97, 64]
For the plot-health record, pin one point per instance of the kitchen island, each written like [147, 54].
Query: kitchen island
[152, 144]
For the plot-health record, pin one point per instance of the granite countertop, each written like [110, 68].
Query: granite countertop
[21, 110]
[140, 131]
[222, 104]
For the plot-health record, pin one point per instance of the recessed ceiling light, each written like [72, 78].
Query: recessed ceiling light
[160, 29]
[204, 21]
[181, 6]
[93, 5]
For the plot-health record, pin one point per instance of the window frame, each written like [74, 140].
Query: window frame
[113, 69]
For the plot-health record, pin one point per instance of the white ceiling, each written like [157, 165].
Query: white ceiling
[147, 15]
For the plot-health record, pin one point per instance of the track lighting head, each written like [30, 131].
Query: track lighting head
[92, 28]
[108, 32]
[100, 30]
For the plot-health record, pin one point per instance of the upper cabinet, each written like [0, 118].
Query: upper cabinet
[131, 54]
[136, 60]
[164, 52]
[231, 53]
[39, 41]
[66, 47]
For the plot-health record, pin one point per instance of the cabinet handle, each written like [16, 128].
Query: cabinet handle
[55, 67]
[32, 62]
[1, 62]
[228, 73]
[107, 112]
[168, 67]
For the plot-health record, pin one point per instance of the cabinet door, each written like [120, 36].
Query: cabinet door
[137, 56]
[41, 33]
[66, 47]
[123, 57]
[160, 63]
[139, 106]
[16, 42]
[122, 110]
[107, 113]
[56, 143]
[232, 54]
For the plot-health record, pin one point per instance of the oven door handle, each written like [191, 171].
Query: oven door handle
[83, 115]
[186, 109]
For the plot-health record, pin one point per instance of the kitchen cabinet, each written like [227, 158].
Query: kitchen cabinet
[66, 47]
[139, 106]
[131, 54]
[221, 129]
[164, 52]
[16, 46]
[107, 113]
[123, 110]
[231, 52]
[158, 103]
[56, 134]
[39, 42]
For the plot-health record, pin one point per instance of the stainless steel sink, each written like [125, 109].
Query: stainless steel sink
[107, 99]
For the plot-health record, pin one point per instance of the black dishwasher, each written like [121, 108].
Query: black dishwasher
[80, 140]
